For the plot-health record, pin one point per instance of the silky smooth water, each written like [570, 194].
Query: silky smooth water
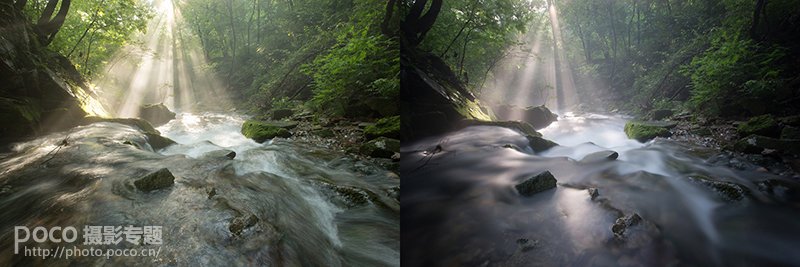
[460, 206]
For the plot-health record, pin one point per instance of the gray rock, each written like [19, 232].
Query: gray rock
[156, 114]
[381, 147]
[605, 155]
[593, 192]
[624, 222]
[536, 184]
[159, 179]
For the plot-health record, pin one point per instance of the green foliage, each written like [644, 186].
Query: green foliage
[362, 65]
[95, 29]
[389, 127]
[327, 52]
[471, 36]
[732, 72]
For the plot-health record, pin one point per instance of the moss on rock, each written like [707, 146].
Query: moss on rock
[643, 131]
[764, 125]
[386, 127]
[261, 131]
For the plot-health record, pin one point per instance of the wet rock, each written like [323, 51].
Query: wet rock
[381, 147]
[396, 157]
[523, 127]
[241, 223]
[159, 179]
[643, 131]
[223, 153]
[755, 144]
[156, 114]
[526, 245]
[143, 125]
[790, 132]
[782, 189]
[539, 144]
[764, 125]
[212, 192]
[279, 114]
[624, 222]
[726, 190]
[660, 114]
[606, 155]
[593, 192]
[261, 131]
[536, 184]
[158, 142]
[538, 116]
[385, 127]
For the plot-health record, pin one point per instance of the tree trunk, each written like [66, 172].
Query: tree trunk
[760, 5]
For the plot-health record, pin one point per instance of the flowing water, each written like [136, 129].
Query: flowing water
[311, 206]
[460, 206]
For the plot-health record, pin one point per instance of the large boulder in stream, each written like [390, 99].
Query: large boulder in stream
[162, 178]
[433, 100]
[537, 116]
[535, 139]
[156, 114]
[643, 131]
[536, 184]
[261, 131]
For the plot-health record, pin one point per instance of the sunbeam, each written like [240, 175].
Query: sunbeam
[164, 66]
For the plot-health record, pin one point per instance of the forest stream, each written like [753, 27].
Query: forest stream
[663, 202]
[283, 202]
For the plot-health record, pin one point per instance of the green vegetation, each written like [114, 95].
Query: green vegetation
[332, 56]
[93, 30]
[263, 131]
[761, 125]
[644, 131]
[388, 127]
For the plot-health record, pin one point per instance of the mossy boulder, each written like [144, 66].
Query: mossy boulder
[643, 131]
[536, 184]
[764, 125]
[156, 114]
[381, 147]
[261, 131]
[159, 179]
[386, 127]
